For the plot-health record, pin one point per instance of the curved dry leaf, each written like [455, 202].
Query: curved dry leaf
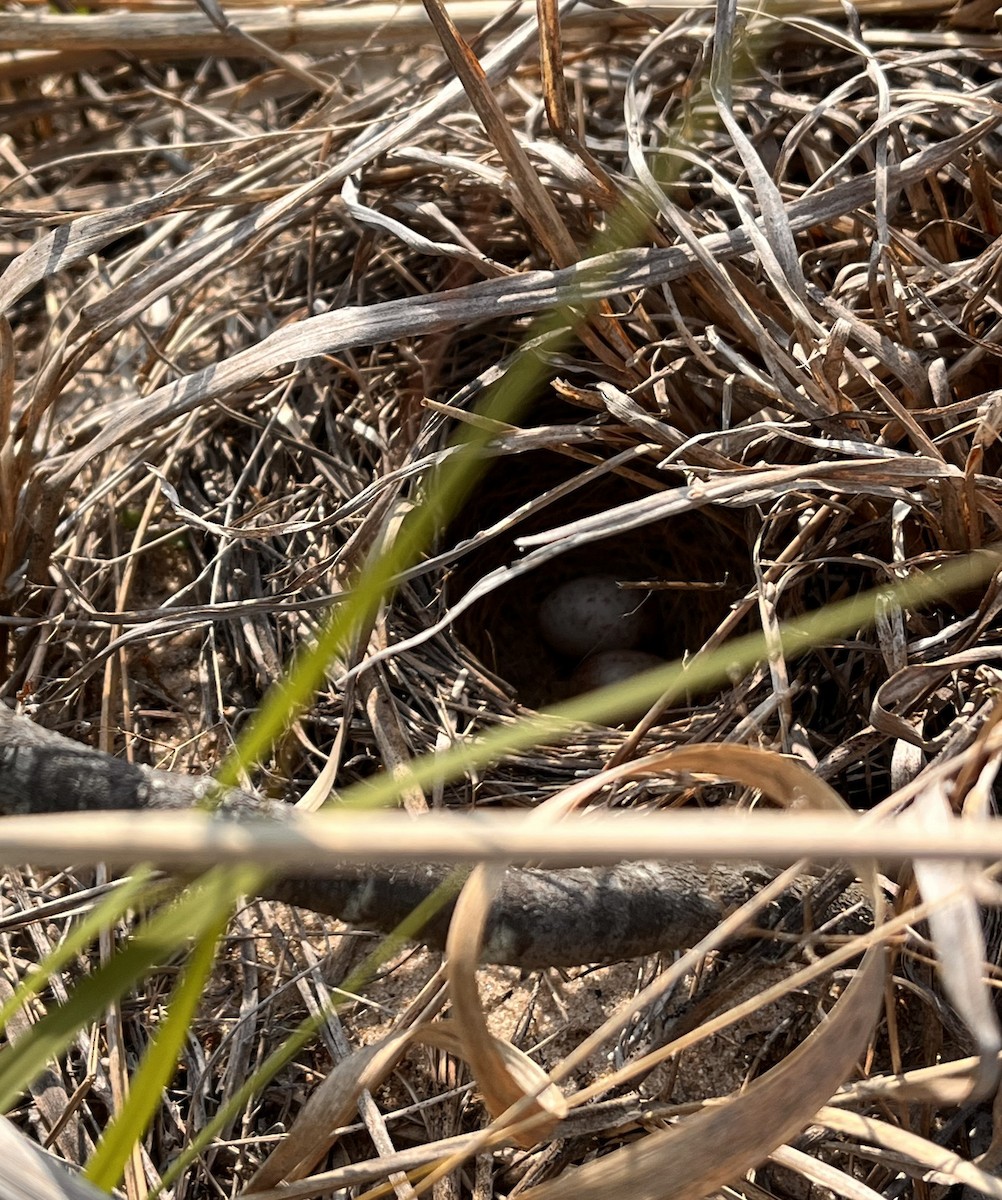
[27, 1172]
[331, 1106]
[720, 1144]
[927, 1156]
[500, 1085]
[903, 690]
[529, 1076]
[786, 780]
[333, 1103]
[956, 932]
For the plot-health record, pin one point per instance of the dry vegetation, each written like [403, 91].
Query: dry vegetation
[257, 276]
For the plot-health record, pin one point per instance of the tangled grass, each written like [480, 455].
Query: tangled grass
[726, 324]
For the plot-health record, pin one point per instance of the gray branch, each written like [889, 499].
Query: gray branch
[539, 918]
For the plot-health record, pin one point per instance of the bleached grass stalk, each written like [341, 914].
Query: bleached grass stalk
[194, 841]
[315, 29]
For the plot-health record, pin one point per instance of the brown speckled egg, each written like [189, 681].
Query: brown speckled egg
[612, 666]
[593, 613]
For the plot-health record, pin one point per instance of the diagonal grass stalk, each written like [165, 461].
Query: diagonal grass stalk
[673, 680]
[107, 1164]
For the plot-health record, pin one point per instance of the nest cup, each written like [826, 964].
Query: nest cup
[694, 564]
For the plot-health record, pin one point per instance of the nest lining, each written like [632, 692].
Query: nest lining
[504, 629]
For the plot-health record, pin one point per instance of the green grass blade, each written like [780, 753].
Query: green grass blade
[107, 1164]
[445, 490]
[127, 895]
[705, 671]
[301, 1037]
[157, 940]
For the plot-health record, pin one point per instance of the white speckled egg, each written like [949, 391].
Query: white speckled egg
[612, 666]
[592, 613]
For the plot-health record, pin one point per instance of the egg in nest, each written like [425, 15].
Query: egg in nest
[593, 613]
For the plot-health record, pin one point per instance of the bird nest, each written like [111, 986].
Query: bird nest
[809, 435]
[252, 309]
[680, 576]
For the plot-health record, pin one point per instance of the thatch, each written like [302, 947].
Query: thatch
[254, 287]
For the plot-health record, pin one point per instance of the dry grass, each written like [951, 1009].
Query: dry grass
[254, 282]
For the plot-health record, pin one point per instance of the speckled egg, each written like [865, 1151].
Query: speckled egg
[612, 666]
[593, 613]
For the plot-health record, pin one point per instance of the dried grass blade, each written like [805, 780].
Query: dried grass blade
[926, 1155]
[181, 33]
[28, 1173]
[955, 925]
[989, 425]
[533, 291]
[776, 247]
[491, 1062]
[308, 846]
[497, 1066]
[69, 244]
[466, 935]
[11, 482]
[334, 1101]
[413, 1159]
[823, 1174]
[869, 476]
[946, 1084]
[330, 1106]
[784, 780]
[535, 201]
[551, 66]
[204, 251]
[902, 692]
[249, 31]
[768, 594]
[225, 25]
